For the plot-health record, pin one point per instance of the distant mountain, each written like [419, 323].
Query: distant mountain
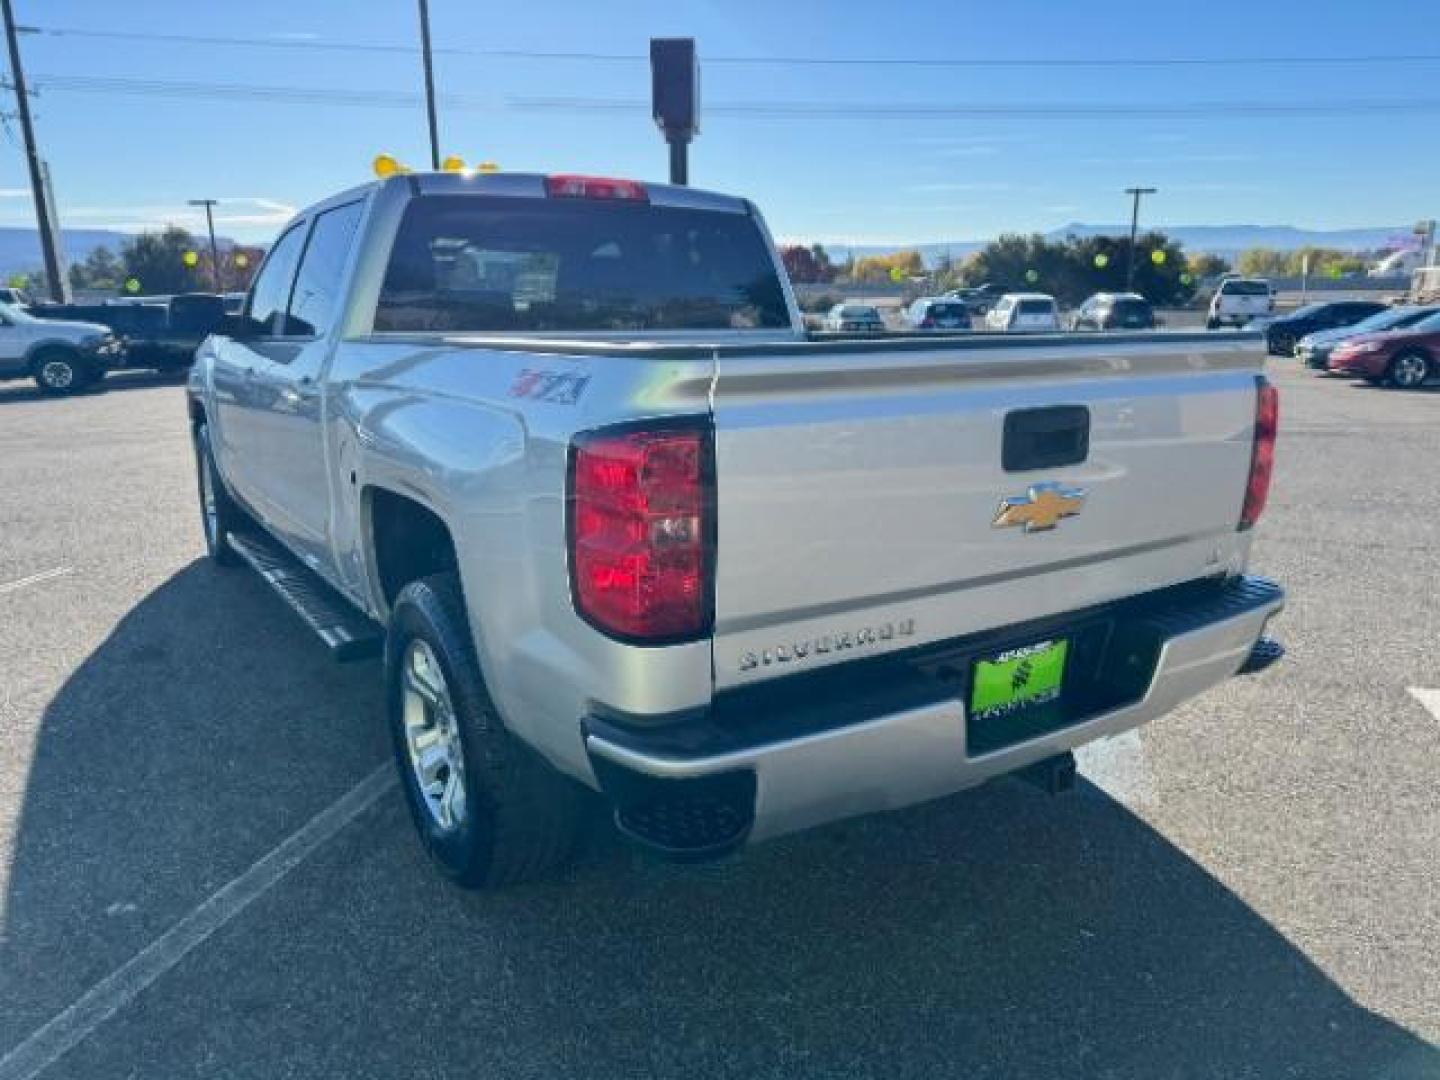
[1232, 239]
[1223, 240]
[20, 248]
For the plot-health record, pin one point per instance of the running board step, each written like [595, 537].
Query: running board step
[346, 632]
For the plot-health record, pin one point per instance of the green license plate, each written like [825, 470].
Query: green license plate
[1018, 679]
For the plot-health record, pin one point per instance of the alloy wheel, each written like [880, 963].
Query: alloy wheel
[432, 737]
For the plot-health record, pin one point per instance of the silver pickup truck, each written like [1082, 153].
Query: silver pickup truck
[559, 448]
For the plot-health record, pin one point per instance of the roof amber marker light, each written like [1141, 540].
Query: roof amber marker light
[453, 163]
[386, 166]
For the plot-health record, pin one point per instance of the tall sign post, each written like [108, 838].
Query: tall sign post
[675, 99]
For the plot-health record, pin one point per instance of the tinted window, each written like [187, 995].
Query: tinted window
[196, 314]
[1245, 288]
[1131, 312]
[948, 311]
[1361, 310]
[313, 305]
[476, 263]
[271, 291]
[1036, 307]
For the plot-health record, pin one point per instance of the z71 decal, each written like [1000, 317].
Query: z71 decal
[556, 387]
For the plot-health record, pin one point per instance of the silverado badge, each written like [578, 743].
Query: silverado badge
[1041, 508]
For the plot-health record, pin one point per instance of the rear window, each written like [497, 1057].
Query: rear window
[477, 263]
[1131, 309]
[1245, 288]
[852, 311]
[1036, 307]
[948, 311]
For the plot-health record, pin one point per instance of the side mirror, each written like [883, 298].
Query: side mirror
[238, 327]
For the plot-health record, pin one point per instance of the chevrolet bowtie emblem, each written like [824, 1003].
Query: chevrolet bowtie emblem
[1041, 508]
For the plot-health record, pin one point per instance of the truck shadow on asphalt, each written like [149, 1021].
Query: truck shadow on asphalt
[995, 933]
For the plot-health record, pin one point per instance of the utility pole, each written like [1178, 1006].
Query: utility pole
[209, 205]
[1134, 227]
[429, 83]
[44, 210]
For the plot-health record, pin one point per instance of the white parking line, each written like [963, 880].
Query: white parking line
[1429, 698]
[68, 1028]
[35, 579]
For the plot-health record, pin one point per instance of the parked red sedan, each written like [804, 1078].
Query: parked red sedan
[1403, 358]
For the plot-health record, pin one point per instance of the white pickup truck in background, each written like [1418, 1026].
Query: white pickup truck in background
[1239, 300]
[559, 447]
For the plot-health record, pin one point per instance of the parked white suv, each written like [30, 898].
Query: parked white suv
[1239, 300]
[1032, 312]
[62, 357]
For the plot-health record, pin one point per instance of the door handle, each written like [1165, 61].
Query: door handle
[304, 390]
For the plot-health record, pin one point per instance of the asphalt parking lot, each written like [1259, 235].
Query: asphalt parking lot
[1247, 888]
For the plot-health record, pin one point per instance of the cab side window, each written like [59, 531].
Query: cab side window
[270, 293]
[315, 302]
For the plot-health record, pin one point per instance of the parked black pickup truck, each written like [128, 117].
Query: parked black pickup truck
[161, 333]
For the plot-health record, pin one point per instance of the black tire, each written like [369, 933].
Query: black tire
[1282, 345]
[1408, 370]
[1212, 324]
[521, 816]
[60, 372]
[226, 517]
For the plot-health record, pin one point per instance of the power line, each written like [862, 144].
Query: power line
[316, 43]
[800, 110]
[816, 110]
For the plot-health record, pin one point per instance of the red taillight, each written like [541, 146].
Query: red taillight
[641, 527]
[595, 187]
[1262, 454]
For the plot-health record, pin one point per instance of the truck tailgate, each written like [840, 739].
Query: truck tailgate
[858, 488]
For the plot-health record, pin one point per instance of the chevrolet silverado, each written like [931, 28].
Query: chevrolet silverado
[559, 448]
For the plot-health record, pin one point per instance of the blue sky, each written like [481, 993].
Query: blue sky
[122, 159]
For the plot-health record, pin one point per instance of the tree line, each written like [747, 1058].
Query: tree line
[172, 260]
[1070, 268]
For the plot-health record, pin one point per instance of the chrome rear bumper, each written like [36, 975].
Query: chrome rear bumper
[915, 754]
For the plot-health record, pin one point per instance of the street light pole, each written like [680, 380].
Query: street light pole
[1136, 192]
[429, 84]
[209, 205]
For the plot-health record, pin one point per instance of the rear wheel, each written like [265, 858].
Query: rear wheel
[1283, 345]
[488, 809]
[1408, 370]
